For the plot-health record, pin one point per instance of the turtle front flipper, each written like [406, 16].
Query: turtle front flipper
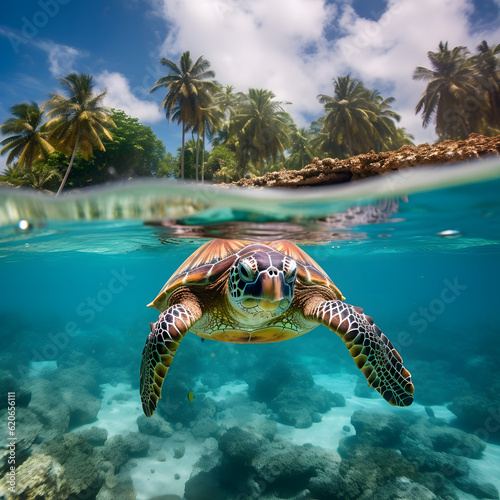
[161, 346]
[372, 351]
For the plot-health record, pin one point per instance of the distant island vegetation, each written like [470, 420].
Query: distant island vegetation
[74, 140]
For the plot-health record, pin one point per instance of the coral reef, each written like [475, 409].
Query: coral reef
[96, 436]
[41, 476]
[64, 403]
[154, 426]
[430, 393]
[28, 428]
[478, 411]
[61, 467]
[8, 383]
[249, 464]
[290, 392]
[390, 457]
[427, 451]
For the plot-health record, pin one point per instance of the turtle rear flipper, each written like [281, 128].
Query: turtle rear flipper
[158, 353]
[372, 351]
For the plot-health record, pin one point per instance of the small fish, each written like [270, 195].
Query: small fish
[191, 396]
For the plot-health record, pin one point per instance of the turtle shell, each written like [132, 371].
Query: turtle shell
[213, 258]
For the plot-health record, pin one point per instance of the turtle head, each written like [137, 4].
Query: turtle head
[262, 284]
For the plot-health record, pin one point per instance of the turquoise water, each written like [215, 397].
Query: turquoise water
[418, 251]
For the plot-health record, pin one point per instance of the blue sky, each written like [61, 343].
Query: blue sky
[293, 47]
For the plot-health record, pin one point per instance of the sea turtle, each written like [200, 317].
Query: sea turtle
[239, 291]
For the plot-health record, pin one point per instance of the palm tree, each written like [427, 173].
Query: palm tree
[351, 123]
[301, 150]
[228, 102]
[41, 174]
[185, 84]
[401, 138]
[27, 138]
[259, 128]
[78, 119]
[385, 124]
[212, 120]
[450, 82]
[488, 67]
[14, 175]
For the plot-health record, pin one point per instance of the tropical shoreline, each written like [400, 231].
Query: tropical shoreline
[335, 171]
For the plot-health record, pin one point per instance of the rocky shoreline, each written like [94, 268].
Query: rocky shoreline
[335, 171]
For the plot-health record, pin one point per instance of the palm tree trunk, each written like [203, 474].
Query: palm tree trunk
[29, 160]
[465, 128]
[197, 151]
[182, 153]
[349, 142]
[68, 170]
[203, 157]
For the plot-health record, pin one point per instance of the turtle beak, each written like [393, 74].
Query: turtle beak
[272, 288]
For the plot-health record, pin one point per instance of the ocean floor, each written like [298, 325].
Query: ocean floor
[160, 473]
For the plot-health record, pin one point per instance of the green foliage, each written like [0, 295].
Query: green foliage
[27, 138]
[78, 120]
[463, 91]
[43, 176]
[169, 167]
[251, 133]
[191, 91]
[301, 150]
[221, 164]
[13, 175]
[401, 138]
[135, 151]
[357, 120]
[39, 176]
[257, 130]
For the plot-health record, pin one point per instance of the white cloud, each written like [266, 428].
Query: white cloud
[254, 44]
[120, 96]
[281, 45]
[62, 58]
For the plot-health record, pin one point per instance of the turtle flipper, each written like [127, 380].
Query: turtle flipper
[161, 346]
[372, 351]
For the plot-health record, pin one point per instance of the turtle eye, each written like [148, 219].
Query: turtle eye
[245, 272]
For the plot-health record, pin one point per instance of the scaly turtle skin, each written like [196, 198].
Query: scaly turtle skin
[238, 291]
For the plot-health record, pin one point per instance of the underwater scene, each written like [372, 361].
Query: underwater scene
[417, 250]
